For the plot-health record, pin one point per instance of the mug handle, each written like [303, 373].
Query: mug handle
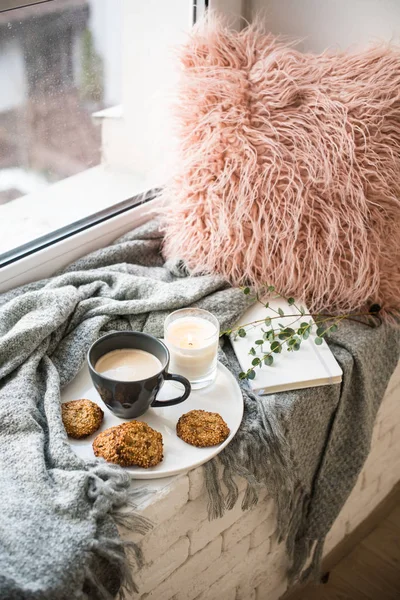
[188, 389]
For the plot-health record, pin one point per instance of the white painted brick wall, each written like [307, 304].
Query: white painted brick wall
[225, 588]
[181, 577]
[207, 530]
[231, 560]
[187, 518]
[249, 523]
[151, 575]
[187, 557]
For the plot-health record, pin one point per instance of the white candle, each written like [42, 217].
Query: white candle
[192, 338]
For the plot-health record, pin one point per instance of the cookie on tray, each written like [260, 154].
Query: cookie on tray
[81, 417]
[104, 444]
[201, 428]
[130, 444]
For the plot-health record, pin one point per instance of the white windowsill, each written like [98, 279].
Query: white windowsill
[113, 112]
[31, 216]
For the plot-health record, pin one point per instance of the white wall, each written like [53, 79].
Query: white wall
[142, 139]
[234, 9]
[331, 23]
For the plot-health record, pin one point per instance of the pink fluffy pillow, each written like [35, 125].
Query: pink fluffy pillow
[290, 168]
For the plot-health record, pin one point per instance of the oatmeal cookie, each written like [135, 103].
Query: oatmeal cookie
[81, 418]
[201, 428]
[104, 444]
[130, 444]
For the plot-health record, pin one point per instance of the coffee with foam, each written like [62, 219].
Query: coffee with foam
[128, 364]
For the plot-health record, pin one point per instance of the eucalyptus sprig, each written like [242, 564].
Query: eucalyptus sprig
[275, 339]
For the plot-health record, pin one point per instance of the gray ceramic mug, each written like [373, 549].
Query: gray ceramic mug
[130, 399]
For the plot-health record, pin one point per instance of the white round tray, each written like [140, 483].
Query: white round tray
[223, 397]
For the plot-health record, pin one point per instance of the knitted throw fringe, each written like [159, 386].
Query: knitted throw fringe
[108, 490]
[260, 472]
[270, 468]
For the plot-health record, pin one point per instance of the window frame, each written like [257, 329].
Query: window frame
[46, 261]
[63, 233]
[6, 5]
[44, 255]
[100, 218]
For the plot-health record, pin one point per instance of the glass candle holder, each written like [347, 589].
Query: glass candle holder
[192, 335]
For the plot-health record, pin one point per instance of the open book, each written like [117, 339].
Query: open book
[310, 366]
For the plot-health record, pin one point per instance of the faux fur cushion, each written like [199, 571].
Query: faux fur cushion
[290, 168]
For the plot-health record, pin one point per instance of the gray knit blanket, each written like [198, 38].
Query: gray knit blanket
[58, 515]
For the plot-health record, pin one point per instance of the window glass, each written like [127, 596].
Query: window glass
[60, 62]
[85, 125]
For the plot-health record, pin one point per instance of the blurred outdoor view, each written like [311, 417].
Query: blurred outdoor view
[59, 62]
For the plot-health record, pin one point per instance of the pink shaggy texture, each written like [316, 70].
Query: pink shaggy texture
[290, 168]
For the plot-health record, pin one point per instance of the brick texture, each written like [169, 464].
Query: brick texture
[150, 576]
[228, 561]
[196, 483]
[180, 578]
[262, 568]
[209, 529]
[223, 589]
[250, 521]
[165, 504]
[188, 517]
[188, 557]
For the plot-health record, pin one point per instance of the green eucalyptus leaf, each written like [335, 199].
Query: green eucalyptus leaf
[306, 334]
[255, 362]
[268, 321]
[321, 331]
[246, 291]
[242, 333]
[271, 288]
[242, 375]
[290, 301]
[259, 342]
[266, 304]
[252, 351]
[333, 328]
[251, 374]
[280, 311]
[286, 333]
[318, 341]
[296, 346]
[268, 360]
[276, 347]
